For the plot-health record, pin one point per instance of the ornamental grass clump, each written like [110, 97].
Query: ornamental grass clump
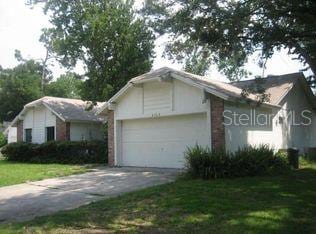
[204, 163]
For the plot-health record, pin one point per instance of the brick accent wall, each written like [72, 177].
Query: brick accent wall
[217, 126]
[62, 130]
[111, 146]
[19, 127]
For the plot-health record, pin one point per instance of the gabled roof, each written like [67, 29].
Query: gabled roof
[278, 86]
[69, 110]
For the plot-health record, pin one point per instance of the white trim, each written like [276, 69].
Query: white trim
[149, 116]
[174, 75]
[202, 87]
[209, 121]
[54, 112]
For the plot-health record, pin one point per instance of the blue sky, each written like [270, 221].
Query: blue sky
[20, 28]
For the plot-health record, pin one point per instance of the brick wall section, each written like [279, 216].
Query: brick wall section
[62, 130]
[111, 146]
[217, 126]
[19, 127]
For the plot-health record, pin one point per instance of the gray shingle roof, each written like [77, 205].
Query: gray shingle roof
[230, 90]
[70, 109]
[276, 86]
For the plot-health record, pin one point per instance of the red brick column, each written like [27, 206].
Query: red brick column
[19, 126]
[217, 126]
[62, 130]
[111, 146]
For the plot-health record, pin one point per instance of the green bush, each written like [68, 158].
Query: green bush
[3, 140]
[248, 161]
[310, 155]
[204, 163]
[64, 152]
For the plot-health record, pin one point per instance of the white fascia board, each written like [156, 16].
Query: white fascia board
[120, 93]
[102, 109]
[207, 89]
[18, 117]
[54, 112]
[115, 97]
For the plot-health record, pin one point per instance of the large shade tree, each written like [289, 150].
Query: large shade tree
[227, 32]
[18, 86]
[66, 86]
[105, 35]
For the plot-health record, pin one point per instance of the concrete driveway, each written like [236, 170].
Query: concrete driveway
[25, 201]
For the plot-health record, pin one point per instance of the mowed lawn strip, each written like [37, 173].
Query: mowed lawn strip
[282, 204]
[16, 173]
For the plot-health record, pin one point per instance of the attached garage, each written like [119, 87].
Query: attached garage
[156, 116]
[161, 142]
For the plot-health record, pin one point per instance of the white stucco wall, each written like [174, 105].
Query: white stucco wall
[241, 131]
[283, 132]
[299, 133]
[86, 131]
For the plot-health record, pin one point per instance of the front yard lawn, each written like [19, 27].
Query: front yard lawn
[16, 173]
[283, 204]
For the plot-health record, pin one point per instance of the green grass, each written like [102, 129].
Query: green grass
[282, 204]
[16, 173]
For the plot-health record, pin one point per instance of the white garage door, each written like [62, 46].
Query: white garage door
[161, 142]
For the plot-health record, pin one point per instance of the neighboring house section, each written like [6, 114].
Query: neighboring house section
[10, 132]
[51, 118]
[289, 125]
[156, 116]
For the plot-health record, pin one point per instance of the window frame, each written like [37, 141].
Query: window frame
[46, 133]
[25, 135]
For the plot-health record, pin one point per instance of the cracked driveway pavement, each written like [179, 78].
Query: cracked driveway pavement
[23, 202]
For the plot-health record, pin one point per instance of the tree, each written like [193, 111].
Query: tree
[46, 73]
[67, 86]
[106, 35]
[227, 32]
[19, 86]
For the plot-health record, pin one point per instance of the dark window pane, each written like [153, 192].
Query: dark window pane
[28, 135]
[50, 133]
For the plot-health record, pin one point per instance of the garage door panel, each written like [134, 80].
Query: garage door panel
[184, 134]
[161, 142]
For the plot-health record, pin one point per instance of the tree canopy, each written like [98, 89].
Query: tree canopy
[18, 86]
[67, 86]
[106, 35]
[23, 84]
[227, 32]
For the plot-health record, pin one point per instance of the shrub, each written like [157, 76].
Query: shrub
[248, 161]
[251, 161]
[20, 151]
[3, 140]
[310, 155]
[204, 163]
[65, 152]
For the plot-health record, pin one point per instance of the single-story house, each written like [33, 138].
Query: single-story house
[52, 118]
[157, 115]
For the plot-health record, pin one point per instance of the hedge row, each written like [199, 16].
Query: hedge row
[64, 152]
[248, 161]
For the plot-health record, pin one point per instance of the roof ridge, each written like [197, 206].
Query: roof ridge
[269, 77]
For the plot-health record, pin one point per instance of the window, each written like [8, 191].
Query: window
[50, 133]
[28, 135]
